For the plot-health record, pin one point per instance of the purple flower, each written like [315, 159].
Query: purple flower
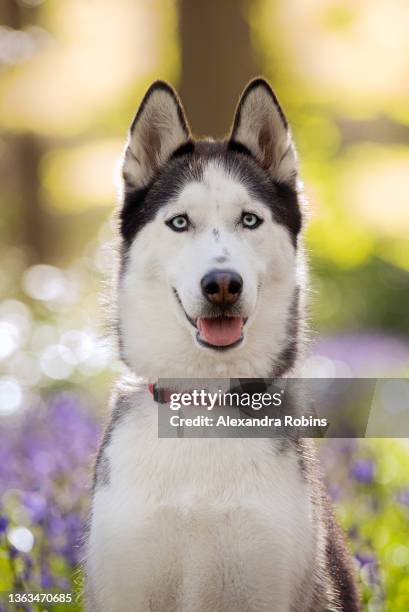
[64, 584]
[47, 458]
[13, 552]
[3, 523]
[46, 580]
[55, 526]
[28, 567]
[363, 471]
[403, 497]
[364, 559]
[369, 567]
[36, 505]
[334, 492]
[367, 354]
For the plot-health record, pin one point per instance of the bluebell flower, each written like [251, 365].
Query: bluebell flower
[364, 558]
[48, 459]
[363, 470]
[36, 505]
[3, 523]
[403, 497]
[13, 552]
[46, 580]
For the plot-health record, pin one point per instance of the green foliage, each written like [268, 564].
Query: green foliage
[369, 482]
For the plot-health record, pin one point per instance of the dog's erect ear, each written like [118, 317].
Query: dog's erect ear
[261, 126]
[158, 129]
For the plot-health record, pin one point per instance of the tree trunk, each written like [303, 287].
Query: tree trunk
[217, 62]
[26, 153]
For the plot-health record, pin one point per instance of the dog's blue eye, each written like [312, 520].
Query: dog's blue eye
[180, 223]
[250, 220]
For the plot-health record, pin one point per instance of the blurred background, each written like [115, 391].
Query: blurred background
[71, 76]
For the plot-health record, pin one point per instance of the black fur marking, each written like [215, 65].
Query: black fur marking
[186, 148]
[288, 355]
[238, 147]
[134, 214]
[102, 473]
[339, 563]
[186, 165]
[216, 234]
[122, 406]
[336, 570]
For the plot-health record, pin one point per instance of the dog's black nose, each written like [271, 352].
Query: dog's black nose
[222, 287]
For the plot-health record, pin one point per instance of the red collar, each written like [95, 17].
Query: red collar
[160, 395]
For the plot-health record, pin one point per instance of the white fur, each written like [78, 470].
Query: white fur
[197, 525]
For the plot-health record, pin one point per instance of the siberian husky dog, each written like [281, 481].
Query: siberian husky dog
[211, 284]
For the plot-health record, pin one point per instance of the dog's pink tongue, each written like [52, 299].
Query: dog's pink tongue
[220, 331]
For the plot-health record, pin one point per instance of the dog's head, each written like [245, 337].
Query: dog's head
[210, 232]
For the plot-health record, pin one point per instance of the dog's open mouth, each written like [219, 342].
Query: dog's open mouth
[220, 332]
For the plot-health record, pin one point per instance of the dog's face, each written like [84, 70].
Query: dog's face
[209, 237]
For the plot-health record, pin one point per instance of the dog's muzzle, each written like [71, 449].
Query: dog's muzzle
[220, 325]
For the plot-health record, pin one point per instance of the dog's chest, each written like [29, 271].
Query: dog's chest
[201, 522]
